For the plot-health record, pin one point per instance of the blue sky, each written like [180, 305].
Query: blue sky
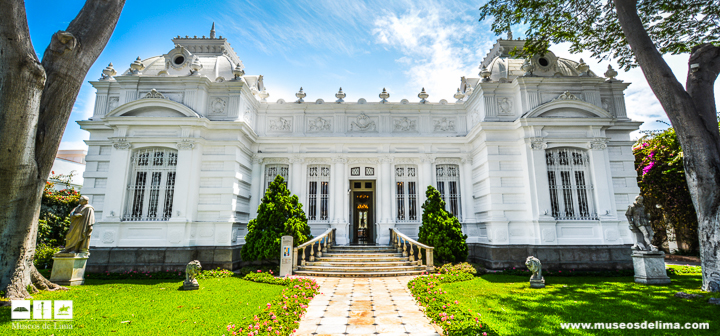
[320, 45]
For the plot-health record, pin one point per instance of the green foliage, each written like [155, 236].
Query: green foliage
[592, 25]
[272, 269]
[441, 230]
[462, 267]
[661, 178]
[279, 214]
[445, 310]
[55, 208]
[43, 256]
[280, 316]
[218, 273]
[687, 269]
[127, 275]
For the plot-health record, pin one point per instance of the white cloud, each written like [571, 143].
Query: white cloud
[439, 43]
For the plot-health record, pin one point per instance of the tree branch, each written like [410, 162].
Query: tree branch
[67, 60]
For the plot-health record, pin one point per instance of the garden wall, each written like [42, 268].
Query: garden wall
[555, 257]
[156, 259]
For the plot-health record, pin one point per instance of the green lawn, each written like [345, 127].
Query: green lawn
[154, 307]
[510, 307]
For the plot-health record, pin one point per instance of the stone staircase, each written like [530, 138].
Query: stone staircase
[361, 261]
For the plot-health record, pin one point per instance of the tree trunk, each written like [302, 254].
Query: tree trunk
[693, 115]
[35, 104]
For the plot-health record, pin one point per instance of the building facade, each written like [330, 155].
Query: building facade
[534, 158]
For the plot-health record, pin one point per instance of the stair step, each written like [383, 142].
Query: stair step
[364, 248]
[361, 263]
[360, 255]
[358, 274]
[361, 259]
[361, 269]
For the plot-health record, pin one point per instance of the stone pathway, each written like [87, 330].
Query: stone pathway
[364, 306]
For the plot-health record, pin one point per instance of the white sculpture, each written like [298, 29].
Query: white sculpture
[534, 265]
[640, 225]
[192, 269]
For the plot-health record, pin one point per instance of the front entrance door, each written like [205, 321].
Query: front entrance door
[363, 212]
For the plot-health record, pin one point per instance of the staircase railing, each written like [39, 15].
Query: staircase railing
[328, 237]
[407, 246]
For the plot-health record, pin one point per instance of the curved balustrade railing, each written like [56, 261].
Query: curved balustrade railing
[322, 241]
[407, 246]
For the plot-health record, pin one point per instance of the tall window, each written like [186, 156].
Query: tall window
[273, 170]
[152, 185]
[570, 197]
[406, 192]
[448, 184]
[318, 191]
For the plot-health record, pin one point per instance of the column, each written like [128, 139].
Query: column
[604, 193]
[256, 186]
[384, 202]
[541, 209]
[296, 176]
[466, 189]
[182, 181]
[115, 188]
[339, 195]
[425, 177]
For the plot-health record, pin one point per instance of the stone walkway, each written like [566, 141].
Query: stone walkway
[364, 306]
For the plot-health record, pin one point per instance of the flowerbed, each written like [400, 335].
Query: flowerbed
[280, 316]
[444, 310]
[168, 274]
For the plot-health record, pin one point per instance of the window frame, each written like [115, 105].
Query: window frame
[406, 193]
[570, 186]
[281, 167]
[448, 175]
[318, 193]
[151, 186]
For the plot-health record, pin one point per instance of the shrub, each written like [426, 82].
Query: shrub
[55, 208]
[462, 267]
[279, 214]
[271, 269]
[441, 230]
[43, 256]
[136, 275]
[215, 274]
[687, 269]
[282, 316]
[443, 310]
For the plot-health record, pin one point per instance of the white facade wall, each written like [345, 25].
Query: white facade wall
[225, 137]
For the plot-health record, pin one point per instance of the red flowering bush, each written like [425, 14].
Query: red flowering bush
[280, 316]
[444, 310]
[55, 208]
[661, 178]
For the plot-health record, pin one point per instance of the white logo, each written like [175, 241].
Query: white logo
[42, 310]
[20, 309]
[63, 310]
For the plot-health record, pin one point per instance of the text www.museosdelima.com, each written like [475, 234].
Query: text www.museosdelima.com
[636, 325]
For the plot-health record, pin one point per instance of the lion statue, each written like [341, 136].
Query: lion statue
[192, 269]
[535, 266]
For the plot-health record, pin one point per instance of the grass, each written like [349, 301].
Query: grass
[510, 307]
[154, 307]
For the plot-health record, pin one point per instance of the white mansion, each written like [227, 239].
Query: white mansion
[534, 158]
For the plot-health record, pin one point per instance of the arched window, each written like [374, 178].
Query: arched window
[570, 190]
[152, 185]
[273, 170]
[448, 184]
[406, 193]
[318, 192]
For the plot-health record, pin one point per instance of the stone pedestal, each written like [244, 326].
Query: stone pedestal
[650, 267]
[69, 268]
[534, 283]
[286, 256]
[191, 285]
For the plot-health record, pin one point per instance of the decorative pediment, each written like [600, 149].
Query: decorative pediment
[567, 105]
[153, 107]
[154, 94]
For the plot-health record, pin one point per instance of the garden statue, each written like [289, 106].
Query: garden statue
[82, 219]
[69, 264]
[534, 265]
[192, 269]
[640, 225]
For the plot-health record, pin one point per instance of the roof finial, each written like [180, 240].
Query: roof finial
[212, 31]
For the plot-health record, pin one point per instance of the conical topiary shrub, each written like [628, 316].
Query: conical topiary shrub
[279, 214]
[441, 230]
